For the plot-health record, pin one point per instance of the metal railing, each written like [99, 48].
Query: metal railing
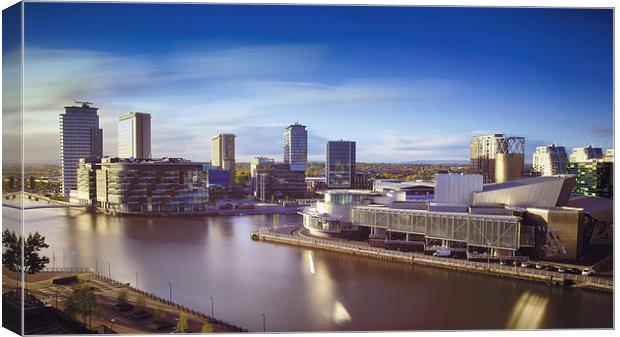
[491, 267]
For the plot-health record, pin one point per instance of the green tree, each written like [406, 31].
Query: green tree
[182, 323]
[12, 252]
[206, 328]
[81, 302]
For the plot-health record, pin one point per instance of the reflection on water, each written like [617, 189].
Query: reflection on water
[528, 312]
[300, 289]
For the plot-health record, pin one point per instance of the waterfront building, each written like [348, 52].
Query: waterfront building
[414, 190]
[594, 178]
[550, 160]
[497, 158]
[80, 137]
[296, 147]
[136, 186]
[511, 220]
[218, 177]
[86, 192]
[134, 135]
[583, 154]
[223, 151]
[273, 181]
[340, 164]
[456, 188]
[315, 184]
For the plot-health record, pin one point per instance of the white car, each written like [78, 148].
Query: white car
[525, 264]
[587, 272]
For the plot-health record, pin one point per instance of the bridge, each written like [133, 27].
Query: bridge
[52, 203]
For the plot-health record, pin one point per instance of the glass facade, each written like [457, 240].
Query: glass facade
[340, 164]
[593, 178]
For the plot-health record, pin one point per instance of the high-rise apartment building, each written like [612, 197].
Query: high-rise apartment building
[497, 158]
[583, 154]
[550, 160]
[223, 151]
[594, 178]
[134, 135]
[80, 137]
[340, 164]
[296, 147]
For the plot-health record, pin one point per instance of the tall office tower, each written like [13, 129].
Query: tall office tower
[80, 137]
[223, 151]
[296, 147]
[134, 135]
[497, 158]
[550, 160]
[340, 164]
[583, 154]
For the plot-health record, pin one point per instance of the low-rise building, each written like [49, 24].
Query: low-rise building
[134, 186]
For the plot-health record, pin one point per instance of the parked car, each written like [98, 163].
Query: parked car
[561, 270]
[525, 264]
[550, 267]
[540, 266]
[502, 262]
[442, 253]
[587, 272]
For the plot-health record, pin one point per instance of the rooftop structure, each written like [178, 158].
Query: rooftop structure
[583, 154]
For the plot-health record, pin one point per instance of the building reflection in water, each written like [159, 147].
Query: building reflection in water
[323, 290]
[528, 312]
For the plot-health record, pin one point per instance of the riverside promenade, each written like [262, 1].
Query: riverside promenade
[515, 272]
[107, 291]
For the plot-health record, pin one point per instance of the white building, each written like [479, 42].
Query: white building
[550, 160]
[296, 147]
[134, 135]
[80, 137]
[453, 188]
[583, 154]
[223, 151]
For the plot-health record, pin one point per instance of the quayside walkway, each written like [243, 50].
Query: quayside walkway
[547, 276]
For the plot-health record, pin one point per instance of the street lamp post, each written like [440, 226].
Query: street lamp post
[96, 266]
[136, 280]
[112, 323]
[212, 316]
[170, 285]
[263, 321]
[109, 271]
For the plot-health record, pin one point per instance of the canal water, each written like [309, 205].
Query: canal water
[299, 289]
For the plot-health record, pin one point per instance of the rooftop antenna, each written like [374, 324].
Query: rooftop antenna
[84, 102]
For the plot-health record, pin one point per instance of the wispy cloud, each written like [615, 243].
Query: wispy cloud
[602, 131]
[251, 91]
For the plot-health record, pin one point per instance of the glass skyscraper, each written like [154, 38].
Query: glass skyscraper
[296, 147]
[340, 164]
[80, 137]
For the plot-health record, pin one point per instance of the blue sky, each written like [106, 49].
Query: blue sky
[406, 83]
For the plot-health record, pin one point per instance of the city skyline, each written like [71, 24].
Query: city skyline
[416, 83]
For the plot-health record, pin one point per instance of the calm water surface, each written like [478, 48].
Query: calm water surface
[300, 289]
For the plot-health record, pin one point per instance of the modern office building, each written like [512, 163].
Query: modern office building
[340, 164]
[583, 154]
[497, 158]
[223, 151]
[296, 147]
[550, 160]
[134, 135]
[80, 137]
[273, 181]
[136, 186]
[594, 178]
